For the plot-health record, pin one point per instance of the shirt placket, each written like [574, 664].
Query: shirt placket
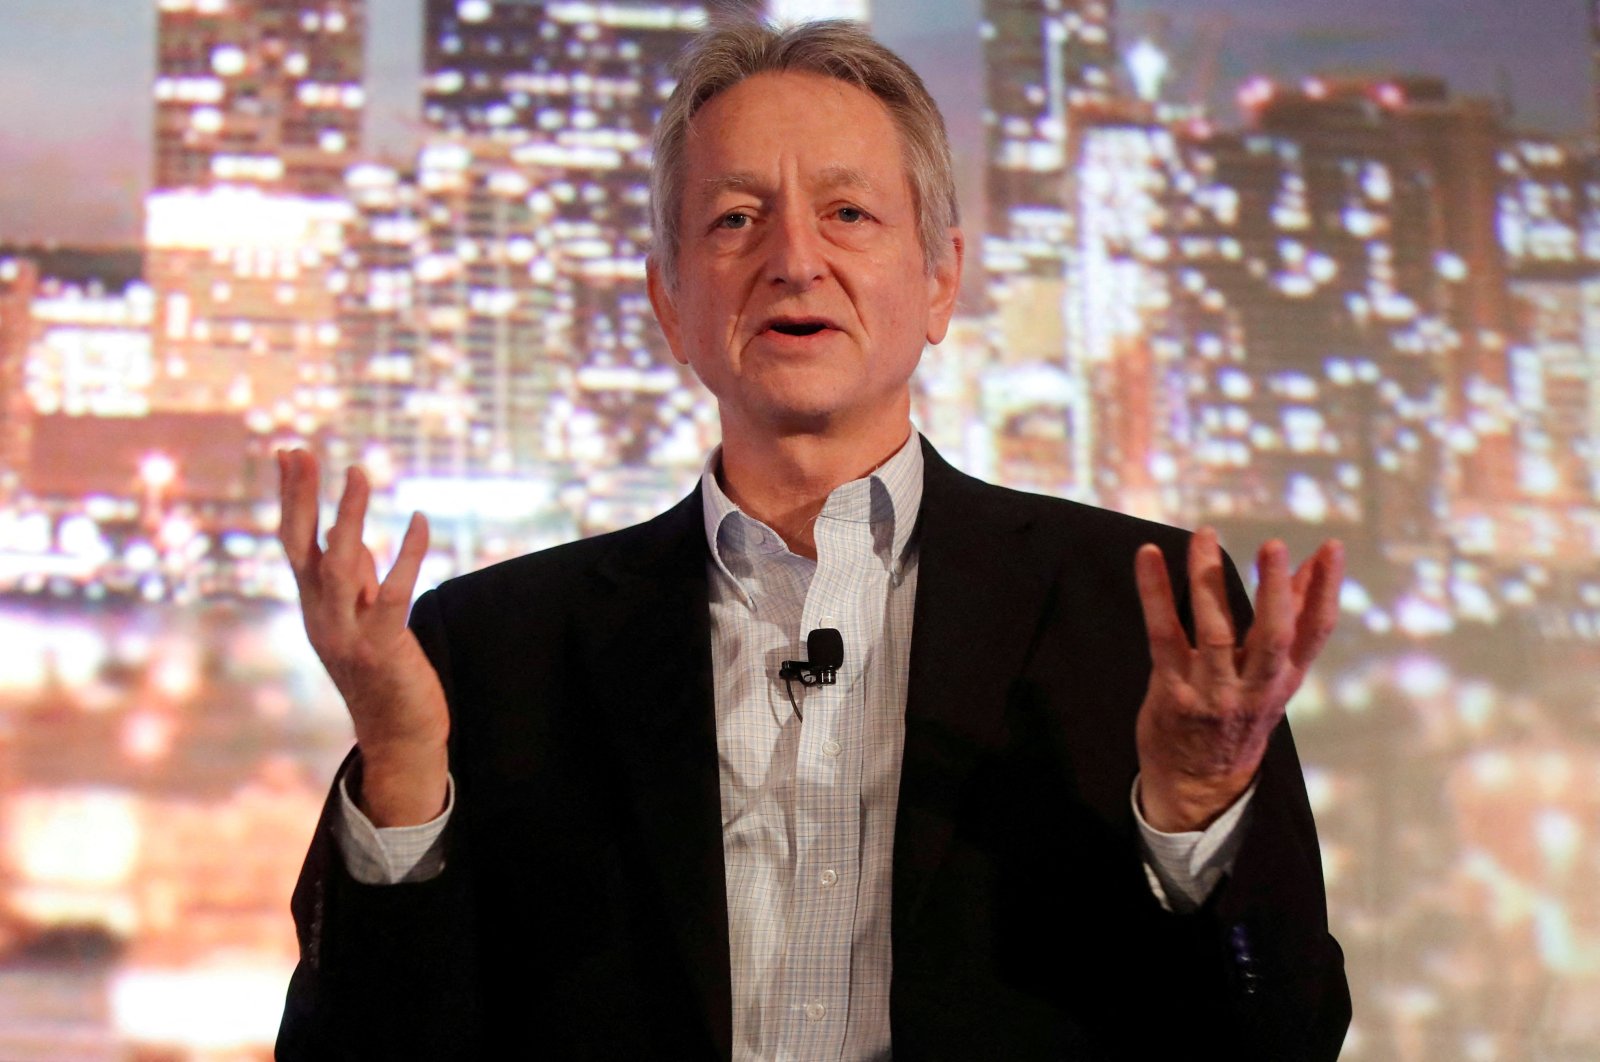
[827, 872]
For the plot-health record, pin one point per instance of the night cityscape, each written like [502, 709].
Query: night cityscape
[1352, 304]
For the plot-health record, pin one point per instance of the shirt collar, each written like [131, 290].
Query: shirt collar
[891, 492]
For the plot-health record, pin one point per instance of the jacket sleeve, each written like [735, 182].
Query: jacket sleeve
[385, 971]
[1265, 928]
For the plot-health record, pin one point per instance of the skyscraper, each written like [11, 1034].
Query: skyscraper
[579, 86]
[1044, 62]
[258, 113]
[1047, 64]
[1549, 195]
[1259, 318]
[455, 324]
[245, 320]
[265, 92]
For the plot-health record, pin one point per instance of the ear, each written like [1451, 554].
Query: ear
[944, 284]
[665, 307]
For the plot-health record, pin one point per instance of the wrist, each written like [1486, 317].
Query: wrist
[402, 787]
[1185, 804]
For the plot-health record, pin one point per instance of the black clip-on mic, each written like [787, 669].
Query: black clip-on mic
[825, 653]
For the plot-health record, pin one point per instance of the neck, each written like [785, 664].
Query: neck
[784, 481]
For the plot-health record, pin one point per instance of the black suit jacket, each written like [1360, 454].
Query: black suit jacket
[582, 910]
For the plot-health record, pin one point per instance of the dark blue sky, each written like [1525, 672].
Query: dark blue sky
[75, 76]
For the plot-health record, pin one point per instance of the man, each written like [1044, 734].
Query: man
[588, 818]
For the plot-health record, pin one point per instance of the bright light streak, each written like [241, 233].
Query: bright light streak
[228, 60]
[204, 1007]
[87, 838]
[1149, 66]
[244, 218]
[157, 471]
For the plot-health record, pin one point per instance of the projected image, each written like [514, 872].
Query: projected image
[1225, 266]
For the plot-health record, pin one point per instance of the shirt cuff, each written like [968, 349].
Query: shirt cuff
[392, 855]
[1183, 868]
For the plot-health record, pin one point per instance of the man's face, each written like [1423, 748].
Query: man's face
[802, 300]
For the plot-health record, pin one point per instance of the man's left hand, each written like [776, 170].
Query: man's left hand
[1211, 706]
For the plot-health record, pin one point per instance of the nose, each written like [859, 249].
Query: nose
[797, 259]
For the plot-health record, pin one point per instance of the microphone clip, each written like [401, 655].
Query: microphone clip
[825, 648]
[807, 673]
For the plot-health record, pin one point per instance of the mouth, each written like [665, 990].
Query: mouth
[798, 326]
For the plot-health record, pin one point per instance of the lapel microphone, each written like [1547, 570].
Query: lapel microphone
[824, 656]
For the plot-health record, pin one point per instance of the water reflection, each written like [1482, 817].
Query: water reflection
[160, 774]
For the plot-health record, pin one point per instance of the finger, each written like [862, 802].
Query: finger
[394, 596]
[1273, 631]
[1169, 646]
[347, 569]
[344, 537]
[1208, 592]
[297, 523]
[1319, 611]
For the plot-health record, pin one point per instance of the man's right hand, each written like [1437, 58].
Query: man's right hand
[357, 625]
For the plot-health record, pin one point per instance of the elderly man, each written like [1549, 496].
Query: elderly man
[1048, 809]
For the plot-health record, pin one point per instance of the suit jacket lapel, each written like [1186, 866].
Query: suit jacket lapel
[652, 666]
[981, 587]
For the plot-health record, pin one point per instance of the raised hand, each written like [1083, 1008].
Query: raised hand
[357, 625]
[1211, 706]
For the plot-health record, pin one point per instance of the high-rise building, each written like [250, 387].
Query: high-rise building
[265, 92]
[1339, 296]
[1044, 62]
[258, 113]
[1048, 65]
[1257, 319]
[1457, 143]
[578, 85]
[1548, 219]
[455, 337]
[245, 319]
[19, 282]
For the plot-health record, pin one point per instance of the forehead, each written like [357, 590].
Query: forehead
[825, 130]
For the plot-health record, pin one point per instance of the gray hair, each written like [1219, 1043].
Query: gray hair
[739, 48]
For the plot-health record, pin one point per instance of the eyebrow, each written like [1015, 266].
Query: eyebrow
[835, 176]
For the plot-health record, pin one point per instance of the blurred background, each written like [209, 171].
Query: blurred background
[1289, 268]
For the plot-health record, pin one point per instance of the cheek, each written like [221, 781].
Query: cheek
[710, 333]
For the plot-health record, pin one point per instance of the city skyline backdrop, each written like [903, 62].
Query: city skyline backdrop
[1342, 300]
[76, 149]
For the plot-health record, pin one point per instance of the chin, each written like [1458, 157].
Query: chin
[800, 420]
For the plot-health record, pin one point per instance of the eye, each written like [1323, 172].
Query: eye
[733, 220]
[851, 215]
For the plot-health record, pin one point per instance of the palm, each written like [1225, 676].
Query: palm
[1211, 706]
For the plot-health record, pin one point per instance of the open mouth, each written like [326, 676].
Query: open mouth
[798, 328]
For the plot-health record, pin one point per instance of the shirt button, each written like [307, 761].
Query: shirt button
[828, 878]
[815, 1011]
[831, 747]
